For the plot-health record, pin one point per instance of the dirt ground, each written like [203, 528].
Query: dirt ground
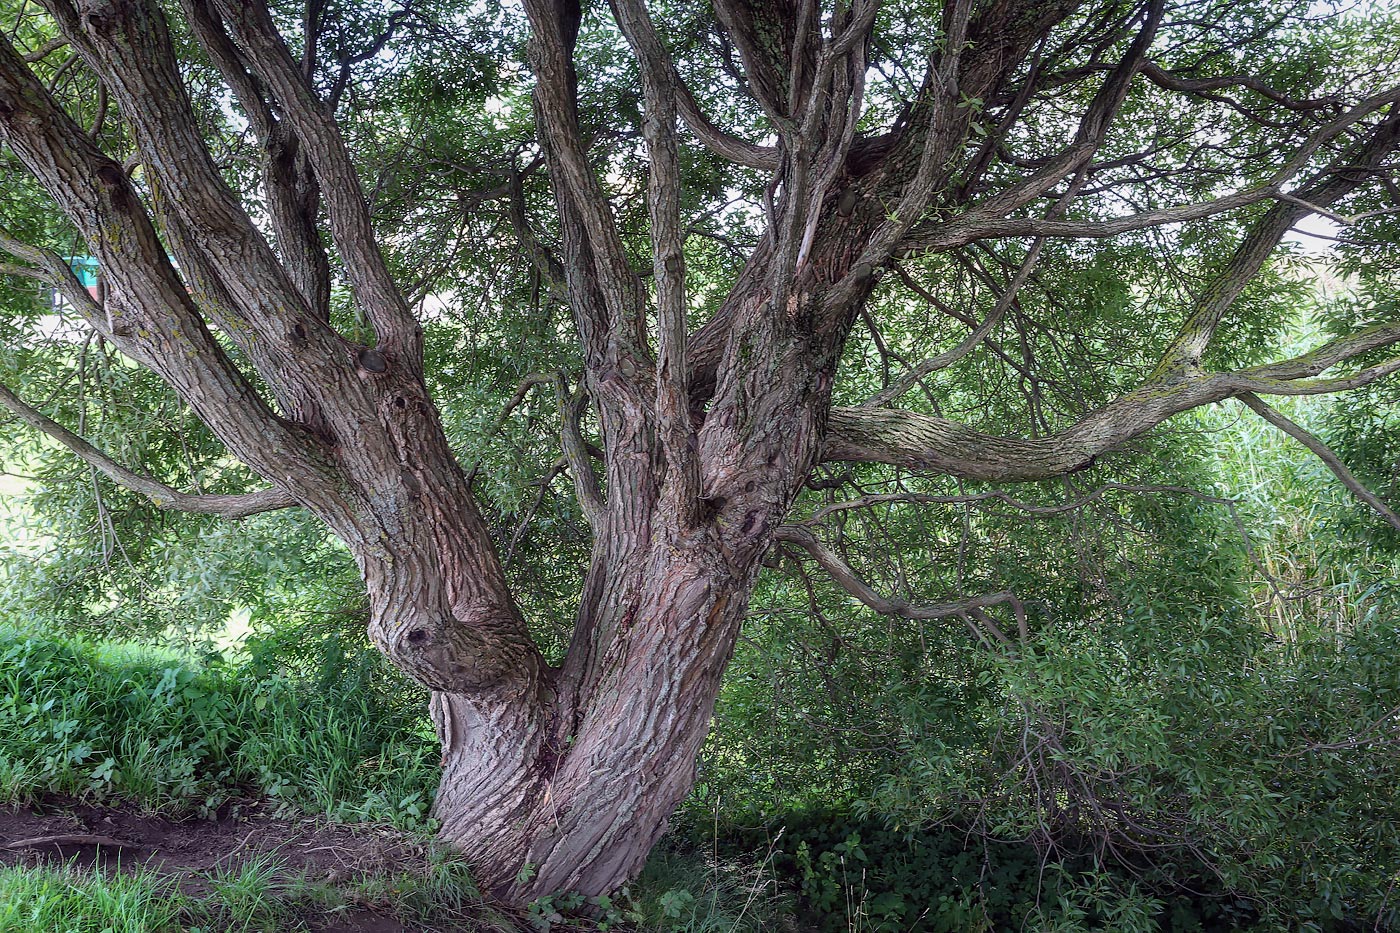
[57, 832]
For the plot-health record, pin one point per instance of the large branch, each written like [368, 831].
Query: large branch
[606, 295]
[884, 435]
[347, 209]
[150, 316]
[771, 39]
[682, 483]
[293, 196]
[162, 496]
[726, 145]
[238, 279]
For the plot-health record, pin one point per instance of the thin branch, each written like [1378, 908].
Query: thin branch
[517, 399]
[544, 261]
[1324, 453]
[586, 486]
[998, 496]
[1345, 220]
[162, 496]
[47, 266]
[851, 582]
[557, 467]
[986, 220]
[977, 225]
[1163, 78]
[947, 358]
[45, 50]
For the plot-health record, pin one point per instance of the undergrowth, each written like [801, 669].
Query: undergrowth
[323, 728]
[311, 724]
[186, 740]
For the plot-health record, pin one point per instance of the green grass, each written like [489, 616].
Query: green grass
[256, 897]
[69, 900]
[682, 892]
[96, 724]
[325, 731]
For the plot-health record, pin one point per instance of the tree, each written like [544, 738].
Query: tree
[896, 157]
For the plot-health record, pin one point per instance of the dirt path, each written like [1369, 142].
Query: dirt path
[58, 832]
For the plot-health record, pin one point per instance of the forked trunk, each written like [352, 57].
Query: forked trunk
[573, 796]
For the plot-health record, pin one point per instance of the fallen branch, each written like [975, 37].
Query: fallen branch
[72, 839]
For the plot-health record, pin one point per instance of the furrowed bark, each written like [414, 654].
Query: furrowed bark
[925, 442]
[151, 316]
[315, 128]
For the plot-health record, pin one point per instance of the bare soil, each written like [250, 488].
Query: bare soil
[58, 831]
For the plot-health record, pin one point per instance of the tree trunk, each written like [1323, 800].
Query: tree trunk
[573, 796]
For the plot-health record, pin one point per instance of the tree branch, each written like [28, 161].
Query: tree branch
[293, 197]
[544, 261]
[47, 266]
[234, 271]
[586, 488]
[598, 265]
[1344, 176]
[846, 577]
[883, 435]
[723, 144]
[148, 314]
[162, 496]
[682, 482]
[1172, 82]
[1324, 453]
[986, 220]
[902, 232]
[378, 295]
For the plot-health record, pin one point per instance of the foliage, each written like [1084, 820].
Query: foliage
[190, 738]
[1176, 718]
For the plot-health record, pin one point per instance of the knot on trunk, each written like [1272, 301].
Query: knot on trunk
[459, 655]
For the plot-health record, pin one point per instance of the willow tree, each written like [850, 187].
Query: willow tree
[890, 141]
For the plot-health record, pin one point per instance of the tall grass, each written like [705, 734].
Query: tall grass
[184, 739]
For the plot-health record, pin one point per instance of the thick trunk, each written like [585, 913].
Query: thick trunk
[569, 787]
[572, 798]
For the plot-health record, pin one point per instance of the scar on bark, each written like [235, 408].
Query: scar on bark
[372, 361]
